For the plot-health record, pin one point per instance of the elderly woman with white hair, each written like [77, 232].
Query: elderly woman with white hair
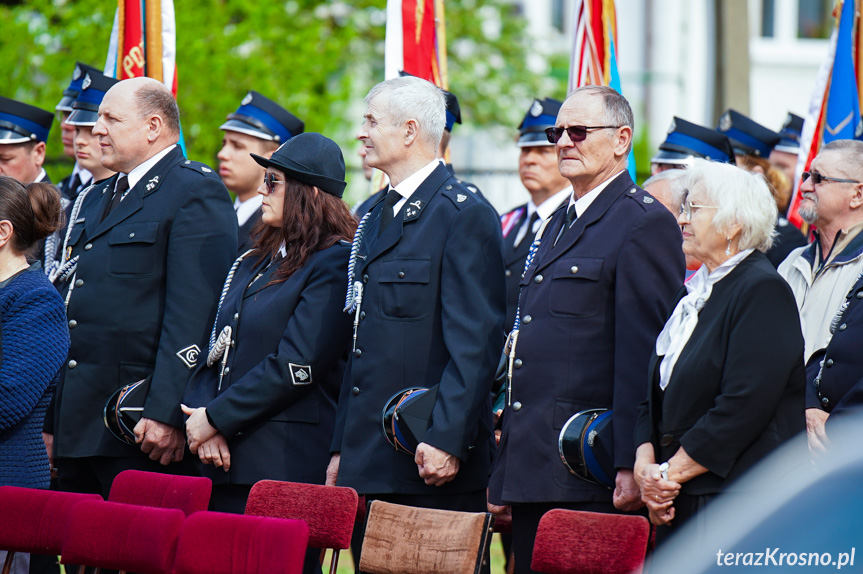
[727, 375]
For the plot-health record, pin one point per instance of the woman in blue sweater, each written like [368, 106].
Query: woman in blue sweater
[34, 338]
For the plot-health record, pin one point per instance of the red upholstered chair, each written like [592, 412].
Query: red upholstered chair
[573, 542]
[122, 537]
[34, 520]
[218, 543]
[330, 511]
[187, 493]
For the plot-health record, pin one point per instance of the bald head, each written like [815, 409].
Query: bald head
[138, 118]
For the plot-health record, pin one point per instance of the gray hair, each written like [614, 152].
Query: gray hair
[618, 112]
[852, 150]
[741, 197]
[669, 174]
[417, 99]
[154, 99]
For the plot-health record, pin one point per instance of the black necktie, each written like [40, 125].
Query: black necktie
[387, 215]
[122, 186]
[529, 233]
[567, 222]
[72, 190]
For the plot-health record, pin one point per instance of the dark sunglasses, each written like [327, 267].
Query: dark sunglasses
[576, 133]
[818, 178]
[270, 182]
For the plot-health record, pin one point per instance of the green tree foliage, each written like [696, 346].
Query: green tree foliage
[318, 59]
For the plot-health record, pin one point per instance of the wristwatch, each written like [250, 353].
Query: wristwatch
[663, 470]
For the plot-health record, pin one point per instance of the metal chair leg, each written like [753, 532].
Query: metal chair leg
[7, 564]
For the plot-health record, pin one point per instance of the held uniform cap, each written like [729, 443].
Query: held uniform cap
[747, 136]
[586, 448]
[263, 118]
[85, 109]
[790, 134]
[71, 93]
[312, 159]
[21, 122]
[686, 141]
[541, 115]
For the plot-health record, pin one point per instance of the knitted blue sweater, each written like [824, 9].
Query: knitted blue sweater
[35, 343]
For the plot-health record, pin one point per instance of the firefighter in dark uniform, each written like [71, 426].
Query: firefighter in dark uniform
[152, 246]
[80, 177]
[23, 132]
[686, 141]
[537, 168]
[259, 126]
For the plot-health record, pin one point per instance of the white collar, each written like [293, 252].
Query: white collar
[83, 173]
[409, 185]
[141, 170]
[582, 203]
[550, 205]
[43, 176]
[246, 209]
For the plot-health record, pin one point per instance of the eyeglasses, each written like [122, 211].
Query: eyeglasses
[688, 207]
[270, 182]
[576, 133]
[818, 178]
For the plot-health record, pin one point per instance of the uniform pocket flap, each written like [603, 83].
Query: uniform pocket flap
[299, 412]
[138, 232]
[405, 271]
[588, 268]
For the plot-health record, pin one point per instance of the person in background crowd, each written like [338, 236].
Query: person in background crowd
[266, 407]
[822, 274]
[537, 169]
[592, 302]
[23, 134]
[427, 293]
[34, 337]
[259, 126]
[726, 376]
[151, 246]
[686, 141]
[665, 187]
[784, 154]
[752, 145]
[80, 178]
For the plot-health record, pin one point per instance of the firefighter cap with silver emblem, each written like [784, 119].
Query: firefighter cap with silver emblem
[541, 115]
[686, 141]
[747, 136]
[20, 122]
[790, 134]
[71, 93]
[261, 117]
[85, 109]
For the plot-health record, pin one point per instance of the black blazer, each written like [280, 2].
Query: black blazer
[245, 241]
[277, 402]
[432, 313]
[736, 392]
[591, 309]
[146, 288]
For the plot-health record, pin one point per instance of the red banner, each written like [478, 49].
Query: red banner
[131, 57]
[418, 33]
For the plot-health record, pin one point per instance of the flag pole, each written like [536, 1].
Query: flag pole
[153, 43]
[440, 23]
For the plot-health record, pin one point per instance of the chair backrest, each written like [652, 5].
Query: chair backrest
[574, 542]
[404, 539]
[329, 511]
[122, 536]
[34, 520]
[218, 543]
[187, 493]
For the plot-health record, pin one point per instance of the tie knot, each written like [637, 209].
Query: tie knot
[570, 214]
[392, 198]
[122, 184]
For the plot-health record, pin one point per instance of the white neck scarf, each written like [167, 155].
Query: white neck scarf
[684, 319]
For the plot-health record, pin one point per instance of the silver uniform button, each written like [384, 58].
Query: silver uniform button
[517, 363]
[131, 235]
[236, 316]
[73, 323]
[79, 282]
[227, 370]
[860, 294]
[574, 269]
[516, 406]
[843, 326]
[537, 279]
[508, 272]
[527, 319]
[88, 247]
[73, 363]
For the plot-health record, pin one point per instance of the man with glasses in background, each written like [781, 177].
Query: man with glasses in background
[821, 273]
[593, 301]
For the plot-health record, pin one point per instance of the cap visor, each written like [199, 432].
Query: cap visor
[533, 139]
[82, 117]
[10, 137]
[244, 128]
[672, 157]
[65, 104]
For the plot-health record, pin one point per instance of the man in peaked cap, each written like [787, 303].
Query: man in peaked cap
[537, 168]
[748, 137]
[784, 154]
[80, 178]
[259, 126]
[23, 132]
[686, 141]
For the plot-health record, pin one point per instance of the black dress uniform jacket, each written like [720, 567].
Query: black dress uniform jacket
[432, 313]
[513, 261]
[146, 287]
[244, 239]
[591, 309]
[840, 389]
[277, 402]
[736, 392]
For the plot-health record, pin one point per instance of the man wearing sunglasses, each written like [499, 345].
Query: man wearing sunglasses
[822, 273]
[592, 303]
[258, 126]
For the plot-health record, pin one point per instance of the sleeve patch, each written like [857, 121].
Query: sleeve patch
[300, 374]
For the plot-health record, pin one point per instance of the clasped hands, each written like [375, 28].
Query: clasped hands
[657, 493]
[205, 440]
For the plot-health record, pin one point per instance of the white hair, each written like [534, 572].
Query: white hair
[741, 197]
[417, 99]
[669, 174]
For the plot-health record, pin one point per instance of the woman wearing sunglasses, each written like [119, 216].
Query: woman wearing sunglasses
[726, 384]
[266, 387]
